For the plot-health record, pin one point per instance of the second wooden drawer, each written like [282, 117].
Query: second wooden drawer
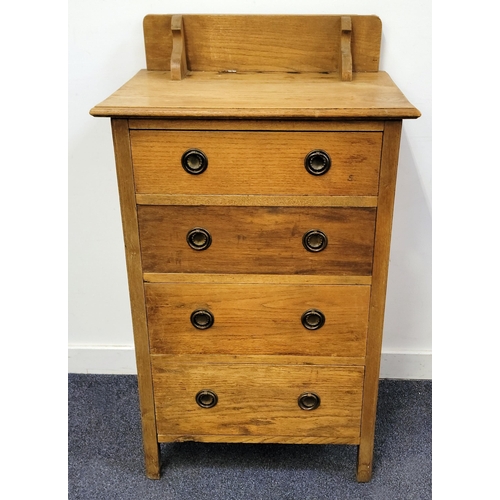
[257, 319]
[256, 239]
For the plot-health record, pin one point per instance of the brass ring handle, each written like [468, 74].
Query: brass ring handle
[314, 240]
[194, 161]
[317, 162]
[202, 319]
[206, 398]
[313, 319]
[199, 238]
[309, 401]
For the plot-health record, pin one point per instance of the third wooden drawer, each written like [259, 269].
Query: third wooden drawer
[257, 319]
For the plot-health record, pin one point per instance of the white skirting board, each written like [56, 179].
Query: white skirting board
[108, 360]
[406, 365]
[120, 360]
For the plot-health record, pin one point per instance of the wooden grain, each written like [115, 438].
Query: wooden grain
[292, 279]
[257, 200]
[345, 58]
[256, 162]
[258, 95]
[178, 64]
[264, 42]
[136, 289]
[256, 125]
[257, 319]
[257, 240]
[272, 359]
[220, 438]
[390, 154]
[158, 41]
[258, 400]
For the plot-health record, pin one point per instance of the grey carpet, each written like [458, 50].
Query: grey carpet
[105, 453]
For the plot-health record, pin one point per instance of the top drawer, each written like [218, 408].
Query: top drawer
[267, 163]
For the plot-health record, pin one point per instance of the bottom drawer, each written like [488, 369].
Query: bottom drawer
[260, 400]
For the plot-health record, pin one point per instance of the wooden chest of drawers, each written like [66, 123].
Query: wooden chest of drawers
[256, 172]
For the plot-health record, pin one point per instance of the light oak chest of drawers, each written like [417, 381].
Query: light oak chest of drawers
[256, 161]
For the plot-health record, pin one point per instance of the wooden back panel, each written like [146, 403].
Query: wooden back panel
[284, 43]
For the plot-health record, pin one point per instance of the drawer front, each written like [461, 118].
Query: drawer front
[257, 240]
[258, 400]
[255, 319]
[256, 162]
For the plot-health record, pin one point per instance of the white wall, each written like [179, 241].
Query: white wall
[106, 49]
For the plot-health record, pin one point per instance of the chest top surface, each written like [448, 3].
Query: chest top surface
[258, 95]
